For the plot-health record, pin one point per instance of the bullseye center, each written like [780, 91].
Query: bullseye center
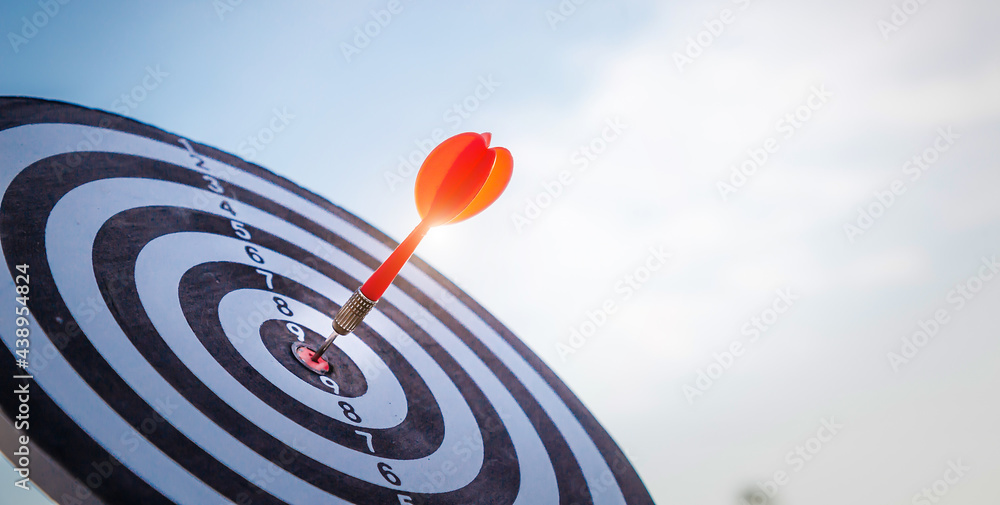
[305, 356]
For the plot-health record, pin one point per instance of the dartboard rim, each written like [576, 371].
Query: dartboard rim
[43, 111]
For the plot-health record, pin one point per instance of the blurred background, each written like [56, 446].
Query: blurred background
[765, 234]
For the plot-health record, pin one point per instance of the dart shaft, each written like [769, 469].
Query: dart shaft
[348, 317]
[376, 285]
[322, 349]
[362, 301]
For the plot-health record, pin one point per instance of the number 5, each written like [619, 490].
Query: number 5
[241, 232]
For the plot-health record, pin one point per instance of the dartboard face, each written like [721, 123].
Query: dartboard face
[162, 286]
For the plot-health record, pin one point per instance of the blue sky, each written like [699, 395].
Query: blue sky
[694, 90]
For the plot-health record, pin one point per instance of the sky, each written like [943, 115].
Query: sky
[736, 216]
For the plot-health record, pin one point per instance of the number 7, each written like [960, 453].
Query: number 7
[368, 438]
[268, 276]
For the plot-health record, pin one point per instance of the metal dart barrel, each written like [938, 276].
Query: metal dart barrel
[348, 317]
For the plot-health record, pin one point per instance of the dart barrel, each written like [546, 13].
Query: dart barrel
[352, 313]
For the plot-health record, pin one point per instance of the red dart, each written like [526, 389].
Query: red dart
[459, 179]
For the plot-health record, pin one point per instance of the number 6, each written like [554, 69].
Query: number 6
[390, 477]
[252, 253]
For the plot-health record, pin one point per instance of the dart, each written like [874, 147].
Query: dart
[458, 179]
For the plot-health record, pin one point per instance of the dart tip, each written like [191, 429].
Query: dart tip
[310, 359]
[315, 357]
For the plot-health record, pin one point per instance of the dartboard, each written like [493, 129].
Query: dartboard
[162, 285]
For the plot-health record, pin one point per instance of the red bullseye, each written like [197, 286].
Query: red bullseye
[305, 356]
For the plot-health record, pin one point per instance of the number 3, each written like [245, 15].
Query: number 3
[213, 184]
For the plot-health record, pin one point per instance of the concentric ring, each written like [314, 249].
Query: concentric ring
[165, 274]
